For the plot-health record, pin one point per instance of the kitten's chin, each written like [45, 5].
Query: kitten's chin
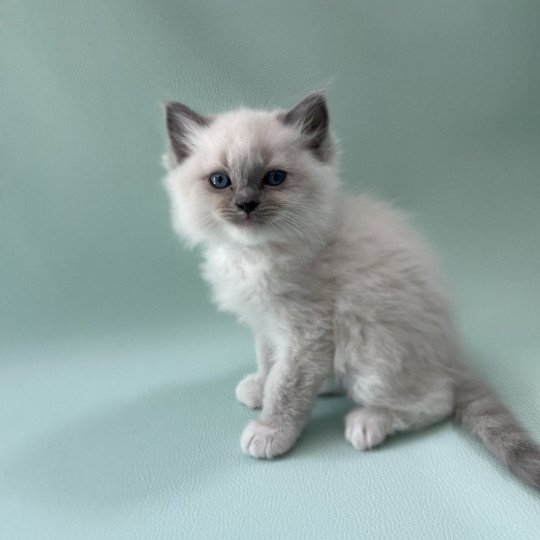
[249, 234]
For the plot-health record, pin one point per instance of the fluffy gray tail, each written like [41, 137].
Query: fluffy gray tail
[483, 415]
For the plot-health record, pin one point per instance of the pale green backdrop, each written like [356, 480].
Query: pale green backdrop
[117, 409]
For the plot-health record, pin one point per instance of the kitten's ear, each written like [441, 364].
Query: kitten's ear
[182, 124]
[311, 117]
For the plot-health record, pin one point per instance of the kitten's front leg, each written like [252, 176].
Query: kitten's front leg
[250, 389]
[289, 394]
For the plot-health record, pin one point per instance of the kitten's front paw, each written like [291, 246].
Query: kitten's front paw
[263, 441]
[250, 391]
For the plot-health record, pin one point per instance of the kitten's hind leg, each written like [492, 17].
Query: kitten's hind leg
[367, 427]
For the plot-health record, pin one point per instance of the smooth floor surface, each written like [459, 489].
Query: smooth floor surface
[137, 436]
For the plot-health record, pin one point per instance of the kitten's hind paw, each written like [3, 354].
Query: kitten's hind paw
[250, 391]
[263, 441]
[366, 428]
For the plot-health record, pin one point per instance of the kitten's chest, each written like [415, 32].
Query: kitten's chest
[245, 284]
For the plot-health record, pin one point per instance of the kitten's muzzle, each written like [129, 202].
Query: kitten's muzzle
[248, 206]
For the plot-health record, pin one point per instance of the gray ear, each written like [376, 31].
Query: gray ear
[181, 123]
[311, 116]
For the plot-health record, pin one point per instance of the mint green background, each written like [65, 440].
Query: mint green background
[117, 410]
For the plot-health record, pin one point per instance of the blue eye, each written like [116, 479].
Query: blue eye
[274, 178]
[220, 180]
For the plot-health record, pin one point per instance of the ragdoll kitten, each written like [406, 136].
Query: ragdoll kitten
[334, 286]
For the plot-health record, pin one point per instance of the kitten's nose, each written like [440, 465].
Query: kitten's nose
[248, 207]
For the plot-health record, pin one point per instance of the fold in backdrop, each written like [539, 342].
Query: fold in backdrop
[117, 407]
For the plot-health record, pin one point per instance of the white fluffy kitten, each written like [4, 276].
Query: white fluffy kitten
[332, 285]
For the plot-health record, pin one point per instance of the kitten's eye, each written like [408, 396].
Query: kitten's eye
[274, 178]
[220, 180]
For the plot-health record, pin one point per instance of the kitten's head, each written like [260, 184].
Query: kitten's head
[251, 176]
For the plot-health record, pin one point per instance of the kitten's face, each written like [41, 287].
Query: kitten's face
[251, 176]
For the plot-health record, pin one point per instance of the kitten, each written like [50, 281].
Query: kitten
[333, 286]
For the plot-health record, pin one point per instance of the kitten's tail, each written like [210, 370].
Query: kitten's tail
[482, 414]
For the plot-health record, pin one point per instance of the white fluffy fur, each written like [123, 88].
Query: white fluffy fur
[341, 287]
